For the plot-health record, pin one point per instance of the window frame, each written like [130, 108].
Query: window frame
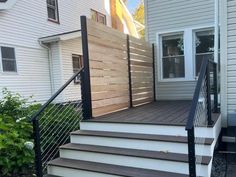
[97, 16]
[80, 56]
[1, 61]
[57, 20]
[194, 46]
[161, 77]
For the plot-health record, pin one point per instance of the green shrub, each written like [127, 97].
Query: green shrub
[16, 143]
[16, 154]
[16, 148]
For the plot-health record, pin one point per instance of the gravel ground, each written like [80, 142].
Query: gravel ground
[219, 166]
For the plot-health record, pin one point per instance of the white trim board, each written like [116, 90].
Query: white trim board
[224, 57]
[188, 34]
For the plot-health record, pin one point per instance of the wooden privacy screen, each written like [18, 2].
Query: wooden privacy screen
[141, 57]
[109, 71]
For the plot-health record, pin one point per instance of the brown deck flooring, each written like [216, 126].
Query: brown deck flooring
[160, 112]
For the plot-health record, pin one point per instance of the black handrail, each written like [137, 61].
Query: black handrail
[190, 122]
[45, 105]
[36, 126]
[203, 88]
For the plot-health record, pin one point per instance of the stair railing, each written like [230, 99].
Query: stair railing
[201, 110]
[59, 116]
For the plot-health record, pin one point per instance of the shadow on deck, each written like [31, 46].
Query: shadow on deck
[160, 112]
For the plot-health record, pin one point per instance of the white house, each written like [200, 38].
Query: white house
[200, 29]
[40, 40]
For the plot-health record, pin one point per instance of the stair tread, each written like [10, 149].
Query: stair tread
[110, 169]
[133, 152]
[167, 138]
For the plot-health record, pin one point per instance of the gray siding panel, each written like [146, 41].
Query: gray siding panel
[231, 64]
[163, 15]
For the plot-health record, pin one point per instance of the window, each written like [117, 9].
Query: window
[204, 48]
[77, 61]
[173, 56]
[52, 7]
[98, 17]
[8, 59]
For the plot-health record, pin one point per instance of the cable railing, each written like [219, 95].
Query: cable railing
[59, 116]
[201, 112]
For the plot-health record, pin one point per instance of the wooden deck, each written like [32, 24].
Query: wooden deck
[160, 112]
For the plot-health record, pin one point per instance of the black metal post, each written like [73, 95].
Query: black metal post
[130, 74]
[85, 76]
[191, 153]
[208, 90]
[37, 149]
[215, 87]
[154, 72]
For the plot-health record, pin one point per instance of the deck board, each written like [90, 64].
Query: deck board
[160, 112]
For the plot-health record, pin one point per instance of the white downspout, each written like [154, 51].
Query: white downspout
[50, 64]
[216, 40]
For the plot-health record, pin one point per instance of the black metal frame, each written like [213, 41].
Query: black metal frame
[130, 74]
[85, 76]
[154, 72]
[36, 129]
[204, 73]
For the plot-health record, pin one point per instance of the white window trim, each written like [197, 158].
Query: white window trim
[1, 64]
[189, 44]
[56, 12]
[194, 46]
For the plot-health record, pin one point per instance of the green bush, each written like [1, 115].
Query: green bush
[16, 147]
[16, 153]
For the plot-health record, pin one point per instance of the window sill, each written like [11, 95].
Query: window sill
[53, 21]
[9, 73]
[177, 80]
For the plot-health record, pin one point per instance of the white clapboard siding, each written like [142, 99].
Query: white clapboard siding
[68, 48]
[231, 86]
[32, 77]
[22, 26]
[31, 19]
[164, 16]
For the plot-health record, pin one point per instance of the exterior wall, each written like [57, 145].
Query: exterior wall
[228, 57]
[22, 25]
[69, 47]
[32, 78]
[168, 16]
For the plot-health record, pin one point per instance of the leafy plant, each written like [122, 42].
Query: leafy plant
[16, 147]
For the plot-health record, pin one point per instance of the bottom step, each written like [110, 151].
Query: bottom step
[71, 168]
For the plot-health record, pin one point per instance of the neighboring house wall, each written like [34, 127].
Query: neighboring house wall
[32, 77]
[174, 16]
[69, 48]
[22, 26]
[228, 57]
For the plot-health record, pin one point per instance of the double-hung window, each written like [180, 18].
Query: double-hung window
[8, 59]
[173, 65]
[204, 48]
[77, 61]
[52, 7]
[98, 17]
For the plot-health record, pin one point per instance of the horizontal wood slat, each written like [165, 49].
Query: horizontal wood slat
[141, 57]
[109, 71]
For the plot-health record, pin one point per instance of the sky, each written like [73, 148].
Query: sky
[132, 4]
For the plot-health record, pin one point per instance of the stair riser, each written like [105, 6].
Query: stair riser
[68, 172]
[145, 163]
[145, 129]
[140, 144]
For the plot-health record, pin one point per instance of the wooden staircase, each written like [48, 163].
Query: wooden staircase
[117, 152]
